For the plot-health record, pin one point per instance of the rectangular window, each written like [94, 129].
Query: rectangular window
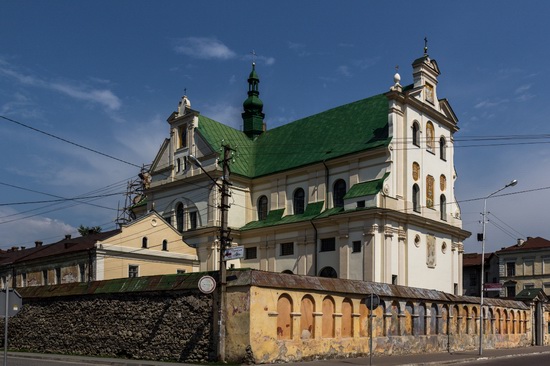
[192, 220]
[328, 245]
[545, 265]
[510, 269]
[528, 286]
[58, 275]
[181, 271]
[23, 279]
[251, 253]
[45, 277]
[528, 268]
[133, 271]
[360, 204]
[473, 279]
[356, 246]
[394, 279]
[511, 291]
[287, 249]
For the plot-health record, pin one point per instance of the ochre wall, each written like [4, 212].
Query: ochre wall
[276, 332]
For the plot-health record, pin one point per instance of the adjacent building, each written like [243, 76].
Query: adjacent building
[525, 265]
[472, 275]
[362, 191]
[146, 246]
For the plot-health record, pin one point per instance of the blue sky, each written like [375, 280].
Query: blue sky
[106, 75]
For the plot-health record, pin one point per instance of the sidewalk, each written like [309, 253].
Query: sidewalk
[402, 360]
[429, 359]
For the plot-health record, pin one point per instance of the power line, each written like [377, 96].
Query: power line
[68, 142]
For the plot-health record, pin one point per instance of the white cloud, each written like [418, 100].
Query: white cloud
[26, 231]
[225, 113]
[103, 97]
[344, 70]
[490, 103]
[204, 48]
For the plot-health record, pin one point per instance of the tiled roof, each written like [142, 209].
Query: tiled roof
[67, 245]
[537, 243]
[340, 131]
[474, 259]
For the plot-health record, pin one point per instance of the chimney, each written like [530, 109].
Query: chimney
[14, 249]
[67, 236]
[529, 238]
[521, 242]
[37, 244]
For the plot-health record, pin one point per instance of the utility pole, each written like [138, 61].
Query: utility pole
[225, 241]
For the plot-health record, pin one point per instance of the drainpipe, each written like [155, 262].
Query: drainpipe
[326, 184]
[314, 247]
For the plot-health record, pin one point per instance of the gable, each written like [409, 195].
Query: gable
[153, 227]
[162, 160]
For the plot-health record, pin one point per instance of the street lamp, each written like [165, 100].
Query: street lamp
[511, 184]
[223, 243]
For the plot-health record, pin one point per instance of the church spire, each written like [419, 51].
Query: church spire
[253, 117]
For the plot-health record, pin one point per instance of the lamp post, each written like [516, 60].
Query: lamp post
[222, 245]
[511, 184]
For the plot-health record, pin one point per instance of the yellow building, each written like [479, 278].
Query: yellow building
[144, 247]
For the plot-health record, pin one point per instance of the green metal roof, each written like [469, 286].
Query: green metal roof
[351, 128]
[368, 188]
[275, 217]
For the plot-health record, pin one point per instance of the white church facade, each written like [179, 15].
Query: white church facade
[362, 191]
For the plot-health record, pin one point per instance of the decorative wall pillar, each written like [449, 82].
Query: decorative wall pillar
[387, 255]
[370, 253]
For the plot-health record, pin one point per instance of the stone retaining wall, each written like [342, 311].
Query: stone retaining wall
[174, 326]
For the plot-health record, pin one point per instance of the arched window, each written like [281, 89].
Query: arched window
[287, 271]
[395, 311]
[328, 317]
[443, 207]
[409, 325]
[347, 318]
[284, 318]
[339, 191]
[416, 198]
[434, 312]
[299, 201]
[144, 242]
[430, 137]
[262, 208]
[165, 245]
[328, 272]
[179, 217]
[307, 321]
[420, 329]
[416, 134]
[183, 136]
[443, 148]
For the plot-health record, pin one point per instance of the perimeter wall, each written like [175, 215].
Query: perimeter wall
[271, 317]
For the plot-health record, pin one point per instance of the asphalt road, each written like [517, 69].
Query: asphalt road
[531, 360]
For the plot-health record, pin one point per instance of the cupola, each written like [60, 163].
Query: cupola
[253, 117]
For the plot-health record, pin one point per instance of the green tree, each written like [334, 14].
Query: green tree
[87, 230]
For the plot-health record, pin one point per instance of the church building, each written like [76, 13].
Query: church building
[363, 191]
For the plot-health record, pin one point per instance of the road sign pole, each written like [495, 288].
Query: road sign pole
[6, 323]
